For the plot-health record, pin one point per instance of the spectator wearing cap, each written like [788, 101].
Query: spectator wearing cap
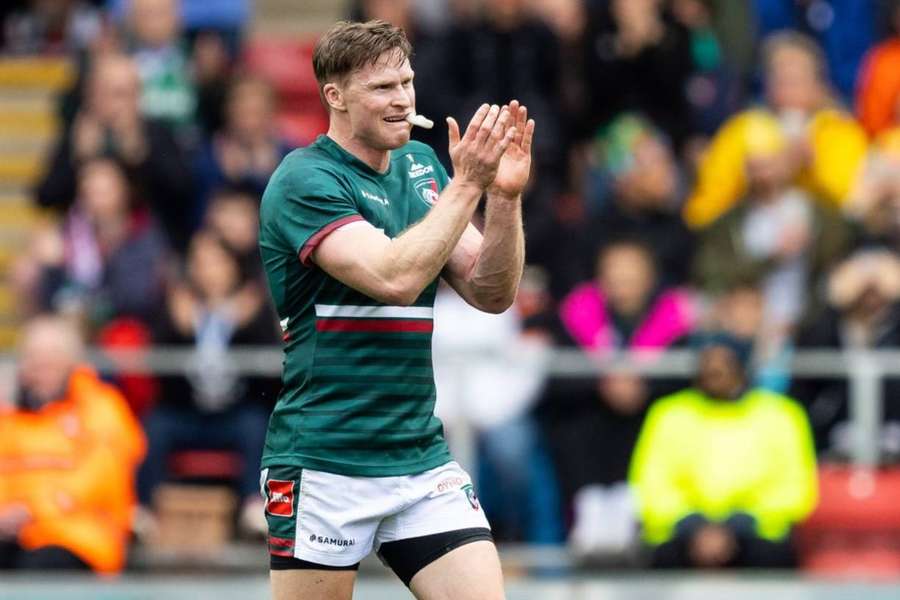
[826, 148]
[862, 313]
[644, 196]
[722, 470]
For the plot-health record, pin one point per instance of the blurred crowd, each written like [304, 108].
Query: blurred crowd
[715, 175]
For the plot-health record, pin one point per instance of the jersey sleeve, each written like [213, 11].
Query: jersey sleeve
[315, 204]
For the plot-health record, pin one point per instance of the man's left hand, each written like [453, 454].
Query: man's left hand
[515, 165]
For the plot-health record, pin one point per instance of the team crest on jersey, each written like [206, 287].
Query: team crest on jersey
[428, 191]
[280, 498]
[470, 496]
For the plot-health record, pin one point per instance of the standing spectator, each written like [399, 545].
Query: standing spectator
[826, 146]
[68, 453]
[863, 313]
[723, 471]
[644, 205]
[109, 124]
[878, 83]
[214, 311]
[777, 237]
[108, 259]
[233, 215]
[245, 152]
[637, 59]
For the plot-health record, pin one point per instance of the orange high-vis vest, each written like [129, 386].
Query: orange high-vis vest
[72, 464]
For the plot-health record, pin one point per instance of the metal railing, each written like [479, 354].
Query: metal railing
[864, 371]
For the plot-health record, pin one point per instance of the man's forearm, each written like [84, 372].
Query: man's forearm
[495, 275]
[416, 257]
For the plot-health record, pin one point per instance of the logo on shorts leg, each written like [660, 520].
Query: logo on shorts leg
[281, 498]
[470, 496]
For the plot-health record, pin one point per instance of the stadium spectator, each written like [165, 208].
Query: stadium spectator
[245, 152]
[68, 452]
[624, 308]
[155, 40]
[517, 482]
[878, 84]
[55, 27]
[844, 29]
[863, 313]
[637, 59]
[233, 215]
[875, 204]
[108, 259]
[215, 310]
[776, 237]
[109, 124]
[723, 471]
[644, 196]
[826, 146]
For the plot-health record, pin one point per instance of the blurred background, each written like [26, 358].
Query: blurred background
[695, 395]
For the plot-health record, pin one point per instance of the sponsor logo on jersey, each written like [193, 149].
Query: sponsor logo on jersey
[330, 541]
[418, 169]
[378, 199]
[280, 498]
[470, 496]
[284, 323]
[428, 191]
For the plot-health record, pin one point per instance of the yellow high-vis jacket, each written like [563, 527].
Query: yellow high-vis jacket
[696, 455]
[838, 143]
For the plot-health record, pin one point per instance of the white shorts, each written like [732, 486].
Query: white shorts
[336, 520]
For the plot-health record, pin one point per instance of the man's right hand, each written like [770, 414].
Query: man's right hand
[477, 154]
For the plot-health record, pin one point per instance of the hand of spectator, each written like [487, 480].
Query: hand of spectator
[130, 141]
[794, 241]
[87, 137]
[12, 519]
[233, 158]
[515, 164]
[624, 393]
[48, 247]
[712, 546]
[182, 309]
[476, 155]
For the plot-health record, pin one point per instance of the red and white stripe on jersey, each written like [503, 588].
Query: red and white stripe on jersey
[374, 319]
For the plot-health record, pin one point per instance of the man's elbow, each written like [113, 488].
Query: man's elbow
[496, 304]
[399, 294]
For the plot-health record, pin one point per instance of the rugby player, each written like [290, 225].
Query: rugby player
[355, 232]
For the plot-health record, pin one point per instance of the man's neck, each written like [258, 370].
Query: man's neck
[379, 160]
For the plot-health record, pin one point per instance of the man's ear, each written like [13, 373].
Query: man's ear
[334, 96]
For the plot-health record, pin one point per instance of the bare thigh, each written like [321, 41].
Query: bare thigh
[308, 584]
[470, 572]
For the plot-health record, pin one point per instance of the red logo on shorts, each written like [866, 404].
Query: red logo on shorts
[281, 498]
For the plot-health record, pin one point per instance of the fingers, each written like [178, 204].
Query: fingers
[452, 131]
[501, 125]
[520, 124]
[501, 147]
[475, 124]
[487, 125]
[528, 136]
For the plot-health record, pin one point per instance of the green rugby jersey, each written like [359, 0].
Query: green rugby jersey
[358, 394]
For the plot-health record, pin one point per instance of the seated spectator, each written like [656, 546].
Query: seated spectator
[108, 259]
[68, 452]
[625, 308]
[63, 27]
[155, 41]
[826, 146]
[233, 215]
[637, 59]
[863, 312]
[644, 203]
[215, 310]
[875, 204]
[109, 124]
[247, 149]
[878, 83]
[723, 471]
[777, 236]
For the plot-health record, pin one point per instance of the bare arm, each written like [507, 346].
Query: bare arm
[395, 271]
[485, 270]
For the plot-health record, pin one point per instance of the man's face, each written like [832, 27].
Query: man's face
[792, 82]
[44, 364]
[720, 374]
[378, 97]
[115, 91]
